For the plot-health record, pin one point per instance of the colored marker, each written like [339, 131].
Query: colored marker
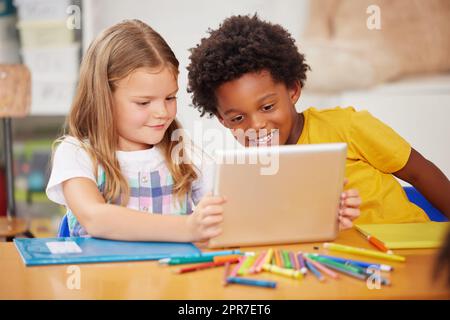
[314, 271]
[221, 253]
[348, 271]
[363, 252]
[362, 264]
[301, 262]
[267, 259]
[186, 260]
[206, 266]
[226, 258]
[258, 261]
[246, 265]
[287, 261]
[226, 274]
[278, 261]
[329, 262]
[322, 268]
[283, 271]
[378, 244]
[237, 267]
[294, 262]
[252, 282]
[375, 242]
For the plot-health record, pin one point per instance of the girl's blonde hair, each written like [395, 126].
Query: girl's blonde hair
[115, 54]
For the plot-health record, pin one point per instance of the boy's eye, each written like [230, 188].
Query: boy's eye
[171, 98]
[268, 107]
[144, 103]
[237, 119]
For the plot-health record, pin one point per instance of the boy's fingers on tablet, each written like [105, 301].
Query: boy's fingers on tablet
[354, 202]
[351, 193]
[350, 213]
[345, 223]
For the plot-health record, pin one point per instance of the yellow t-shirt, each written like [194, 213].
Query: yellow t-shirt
[374, 152]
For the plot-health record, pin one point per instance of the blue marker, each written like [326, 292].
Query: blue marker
[314, 270]
[210, 254]
[362, 264]
[220, 253]
[252, 282]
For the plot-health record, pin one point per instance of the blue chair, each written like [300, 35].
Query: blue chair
[63, 230]
[417, 198]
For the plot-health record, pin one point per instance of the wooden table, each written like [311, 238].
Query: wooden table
[149, 280]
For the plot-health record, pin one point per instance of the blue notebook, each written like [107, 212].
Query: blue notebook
[47, 251]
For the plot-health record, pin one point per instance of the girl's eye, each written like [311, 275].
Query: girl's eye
[237, 119]
[268, 107]
[171, 98]
[143, 103]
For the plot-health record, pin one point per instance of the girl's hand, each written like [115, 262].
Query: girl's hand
[204, 222]
[349, 207]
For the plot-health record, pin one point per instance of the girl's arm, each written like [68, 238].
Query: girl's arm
[109, 221]
[428, 179]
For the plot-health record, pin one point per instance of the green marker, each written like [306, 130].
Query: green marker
[186, 260]
[246, 265]
[286, 260]
[329, 262]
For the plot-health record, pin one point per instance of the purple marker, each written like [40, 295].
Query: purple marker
[301, 262]
[294, 263]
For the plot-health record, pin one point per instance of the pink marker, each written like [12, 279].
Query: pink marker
[234, 272]
[321, 267]
[257, 263]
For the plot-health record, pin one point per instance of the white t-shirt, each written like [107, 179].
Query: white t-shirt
[148, 177]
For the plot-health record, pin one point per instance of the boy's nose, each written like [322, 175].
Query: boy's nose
[258, 122]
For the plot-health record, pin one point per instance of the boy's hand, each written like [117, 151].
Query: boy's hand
[204, 222]
[349, 207]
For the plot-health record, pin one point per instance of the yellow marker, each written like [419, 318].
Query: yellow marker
[290, 273]
[244, 269]
[269, 256]
[363, 252]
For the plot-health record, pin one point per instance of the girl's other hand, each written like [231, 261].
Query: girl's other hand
[204, 222]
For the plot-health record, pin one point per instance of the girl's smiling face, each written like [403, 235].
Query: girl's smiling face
[255, 101]
[144, 107]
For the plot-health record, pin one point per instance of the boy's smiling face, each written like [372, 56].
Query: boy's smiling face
[255, 101]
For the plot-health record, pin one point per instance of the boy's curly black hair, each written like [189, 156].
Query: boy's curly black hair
[242, 44]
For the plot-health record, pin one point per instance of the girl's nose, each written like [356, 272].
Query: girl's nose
[160, 110]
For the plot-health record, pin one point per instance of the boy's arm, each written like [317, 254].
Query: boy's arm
[428, 179]
[109, 221]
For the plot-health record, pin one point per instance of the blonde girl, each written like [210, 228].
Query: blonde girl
[113, 168]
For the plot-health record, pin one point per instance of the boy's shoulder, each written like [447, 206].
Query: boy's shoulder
[338, 111]
[335, 117]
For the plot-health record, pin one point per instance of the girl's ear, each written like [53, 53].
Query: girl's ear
[295, 91]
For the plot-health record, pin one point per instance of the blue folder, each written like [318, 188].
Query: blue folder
[35, 252]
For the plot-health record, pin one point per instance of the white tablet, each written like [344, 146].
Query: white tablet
[279, 194]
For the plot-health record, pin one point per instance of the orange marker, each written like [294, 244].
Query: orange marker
[206, 266]
[226, 258]
[278, 259]
[378, 244]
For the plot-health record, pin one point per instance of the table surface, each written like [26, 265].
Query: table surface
[150, 280]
